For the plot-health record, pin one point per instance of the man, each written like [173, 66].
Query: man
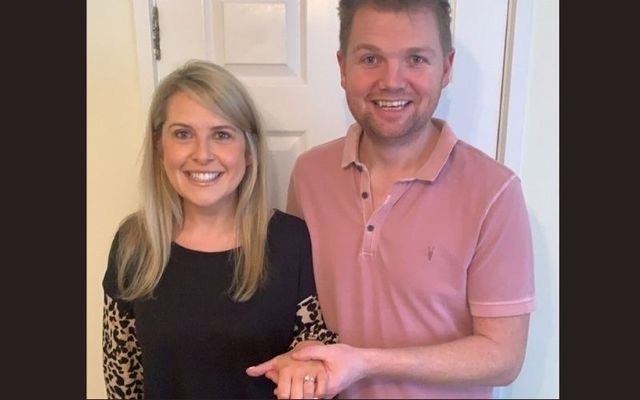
[421, 243]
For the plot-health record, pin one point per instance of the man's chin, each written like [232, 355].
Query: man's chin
[394, 132]
[385, 132]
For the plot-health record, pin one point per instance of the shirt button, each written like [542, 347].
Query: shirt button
[370, 228]
[365, 195]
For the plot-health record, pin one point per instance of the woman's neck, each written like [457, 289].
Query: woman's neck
[208, 232]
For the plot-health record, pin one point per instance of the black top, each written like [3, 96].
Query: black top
[193, 341]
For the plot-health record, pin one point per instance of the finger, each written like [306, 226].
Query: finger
[308, 388]
[273, 375]
[261, 369]
[283, 391]
[296, 387]
[321, 385]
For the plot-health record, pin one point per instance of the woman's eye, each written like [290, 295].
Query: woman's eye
[222, 135]
[182, 134]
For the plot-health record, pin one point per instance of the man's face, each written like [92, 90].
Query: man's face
[393, 71]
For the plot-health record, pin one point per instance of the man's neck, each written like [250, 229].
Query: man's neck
[399, 160]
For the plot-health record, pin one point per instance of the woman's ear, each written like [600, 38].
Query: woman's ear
[157, 143]
[248, 142]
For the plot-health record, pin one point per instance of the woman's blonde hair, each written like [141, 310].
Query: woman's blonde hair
[145, 237]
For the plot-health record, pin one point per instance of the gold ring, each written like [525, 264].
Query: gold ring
[308, 378]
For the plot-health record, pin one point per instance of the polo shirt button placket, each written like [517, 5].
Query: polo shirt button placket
[367, 242]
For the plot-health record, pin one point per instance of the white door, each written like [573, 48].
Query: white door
[284, 51]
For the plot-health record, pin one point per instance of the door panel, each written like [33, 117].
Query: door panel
[285, 53]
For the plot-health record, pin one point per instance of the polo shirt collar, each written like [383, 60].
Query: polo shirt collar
[431, 168]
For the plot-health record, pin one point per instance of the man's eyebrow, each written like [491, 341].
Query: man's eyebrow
[411, 50]
[366, 46]
[415, 50]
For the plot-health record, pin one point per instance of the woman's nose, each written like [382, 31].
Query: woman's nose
[203, 152]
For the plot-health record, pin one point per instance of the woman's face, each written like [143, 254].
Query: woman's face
[203, 155]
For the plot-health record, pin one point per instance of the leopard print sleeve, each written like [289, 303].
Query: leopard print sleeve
[310, 324]
[121, 355]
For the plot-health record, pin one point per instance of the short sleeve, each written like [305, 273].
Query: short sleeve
[306, 283]
[500, 277]
[293, 202]
[110, 280]
[309, 324]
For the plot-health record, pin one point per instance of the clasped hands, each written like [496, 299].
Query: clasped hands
[311, 372]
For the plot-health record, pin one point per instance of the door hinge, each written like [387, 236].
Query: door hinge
[155, 33]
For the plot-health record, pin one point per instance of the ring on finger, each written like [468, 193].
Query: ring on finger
[308, 378]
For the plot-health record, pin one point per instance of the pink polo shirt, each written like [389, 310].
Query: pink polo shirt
[451, 242]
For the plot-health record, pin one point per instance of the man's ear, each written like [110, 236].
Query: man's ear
[448, 66]
[341, 63]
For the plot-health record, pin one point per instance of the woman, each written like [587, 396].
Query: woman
[205, 279]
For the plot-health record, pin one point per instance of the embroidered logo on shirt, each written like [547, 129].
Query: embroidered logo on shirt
[430, 252]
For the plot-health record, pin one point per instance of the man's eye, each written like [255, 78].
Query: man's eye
[369, 60]
[415, 59]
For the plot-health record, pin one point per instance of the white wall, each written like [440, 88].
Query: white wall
[114, 135]
[115, 123]
[539, 170]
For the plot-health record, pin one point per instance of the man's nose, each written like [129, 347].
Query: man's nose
[392, 76]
